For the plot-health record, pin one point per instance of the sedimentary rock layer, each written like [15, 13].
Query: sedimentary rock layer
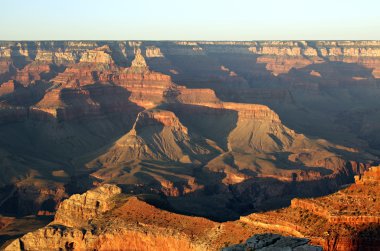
[106, 218]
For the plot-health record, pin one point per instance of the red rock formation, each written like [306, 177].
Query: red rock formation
[81, 208]
[31, 73]
[5, 59]
[7, 88]
[146, 88]
[128, 218]
[207, 98]
[154, 117]
[91, 64]
[279, 65]
[158, 136]
[371, 176]
[110, 220]
[5, 221]
[346, 220]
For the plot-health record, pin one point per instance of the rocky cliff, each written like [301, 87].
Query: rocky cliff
[346, 220]
[7, 87]
[74, 93]
[105, 218]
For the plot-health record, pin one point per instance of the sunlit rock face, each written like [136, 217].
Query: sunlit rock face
[280, 57]
[105, 218]
[215, 129]
[346, 220]
[7, 87]
[153, 52]
[80, 208]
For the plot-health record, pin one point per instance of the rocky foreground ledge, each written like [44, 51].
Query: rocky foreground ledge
[274, 242]
[107, 219]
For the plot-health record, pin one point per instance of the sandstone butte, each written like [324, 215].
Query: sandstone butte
[105, 218]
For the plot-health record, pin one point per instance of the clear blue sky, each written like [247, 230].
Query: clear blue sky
[189, 20]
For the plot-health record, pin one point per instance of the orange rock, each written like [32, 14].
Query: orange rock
[7, 88]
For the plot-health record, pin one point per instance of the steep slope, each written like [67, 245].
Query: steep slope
[158, 153]
[268, 148]
[346, 220]
[256, 142]
[158, 135]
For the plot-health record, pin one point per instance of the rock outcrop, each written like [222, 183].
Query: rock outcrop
[33, 72]
[7, 88]
[123, 223]
[97, 56]
[299, 54]
[129, 223]
[346, 220]
[105, 218]
[157, 135]
[273, 242]
[142, 87]
[79, 209]
[153, 52]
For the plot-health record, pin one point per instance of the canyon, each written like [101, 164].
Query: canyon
[208, 133]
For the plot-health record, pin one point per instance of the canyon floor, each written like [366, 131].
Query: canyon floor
[228, 138]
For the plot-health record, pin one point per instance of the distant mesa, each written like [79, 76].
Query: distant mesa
[153, 52]
[100, 55]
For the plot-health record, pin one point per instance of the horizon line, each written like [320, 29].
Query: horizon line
[179, 40]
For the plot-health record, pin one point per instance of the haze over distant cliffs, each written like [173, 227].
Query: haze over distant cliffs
[210, 129]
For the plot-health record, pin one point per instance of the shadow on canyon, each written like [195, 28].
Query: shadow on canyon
[221, 202]
[86, 138]
[309, 104]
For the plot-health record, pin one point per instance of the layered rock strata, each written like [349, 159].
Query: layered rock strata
[110, 220]
[105, 218]
[346, 220]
